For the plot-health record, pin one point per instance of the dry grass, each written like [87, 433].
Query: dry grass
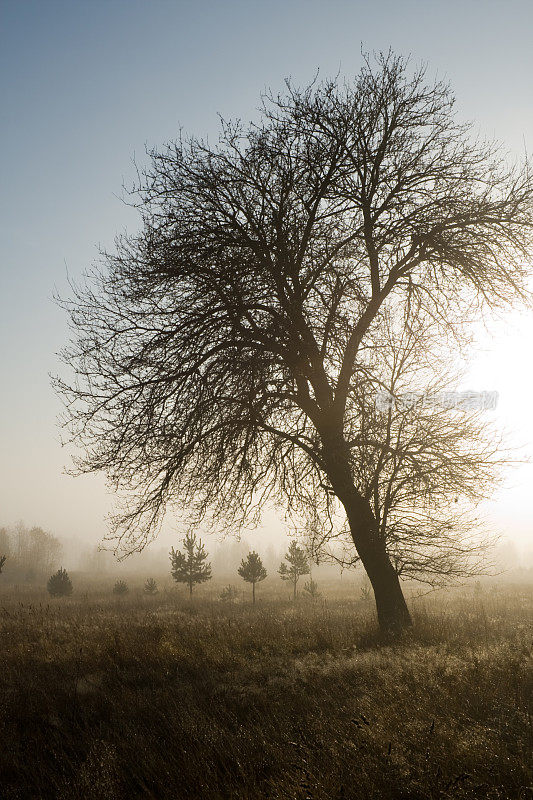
[159, 698]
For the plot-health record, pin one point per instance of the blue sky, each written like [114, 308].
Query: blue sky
[85, 85]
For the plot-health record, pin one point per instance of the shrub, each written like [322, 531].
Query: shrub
[120, 588]
[229, 594]
[59, 584]
[150, 587]
[311, 589]
[366, 593]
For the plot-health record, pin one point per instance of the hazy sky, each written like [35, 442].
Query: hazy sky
[84, 85]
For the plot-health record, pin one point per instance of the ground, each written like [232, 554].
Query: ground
[159, 697]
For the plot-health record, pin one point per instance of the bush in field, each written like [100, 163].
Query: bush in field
[311, 589]
[150, 587]
[252, 571]
[229, 594]
[120, 588]
[59, 584]
[366, 592]
[2, 562]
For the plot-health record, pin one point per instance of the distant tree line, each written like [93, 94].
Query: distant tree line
[26, 554]
[32, 553]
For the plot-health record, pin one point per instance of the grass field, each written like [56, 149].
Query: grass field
[162, 698]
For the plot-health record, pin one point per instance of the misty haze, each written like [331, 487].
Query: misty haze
[266, 314]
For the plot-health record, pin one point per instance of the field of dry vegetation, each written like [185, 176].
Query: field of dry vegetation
[157, 697]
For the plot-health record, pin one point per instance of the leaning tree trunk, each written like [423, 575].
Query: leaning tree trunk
[393, 614]
[392, 611]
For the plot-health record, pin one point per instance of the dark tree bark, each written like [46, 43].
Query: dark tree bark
[392, 611]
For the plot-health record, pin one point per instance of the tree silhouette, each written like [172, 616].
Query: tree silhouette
[297, 565]
[189, 567]
[120, 588]
[218, 353]
[31, 551]
[59, 584]
[252, 571]
[2, 562]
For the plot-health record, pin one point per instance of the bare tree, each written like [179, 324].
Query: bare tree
[428, 455]
[215, 353]
[31, 551]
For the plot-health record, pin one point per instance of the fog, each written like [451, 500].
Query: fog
[80, 105]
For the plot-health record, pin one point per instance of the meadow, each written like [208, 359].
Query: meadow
[159, 697]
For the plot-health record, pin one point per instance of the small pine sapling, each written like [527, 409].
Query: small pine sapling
[59, 584]
[252, 571]
[229, 594]
[189, 566]
[297, 566]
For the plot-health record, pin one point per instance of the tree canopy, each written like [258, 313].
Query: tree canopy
[252, 569]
